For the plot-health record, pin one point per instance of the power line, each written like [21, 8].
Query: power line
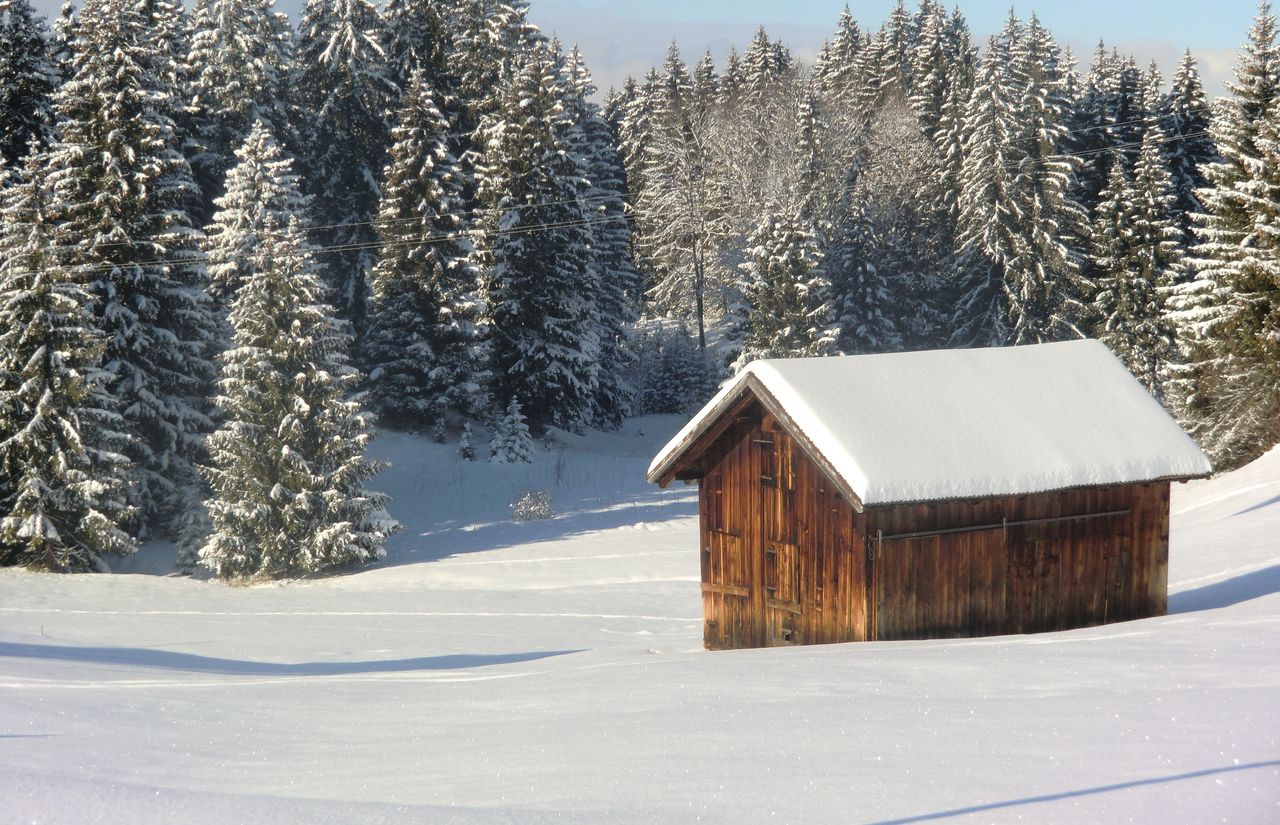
[431, 240]
[479, 210]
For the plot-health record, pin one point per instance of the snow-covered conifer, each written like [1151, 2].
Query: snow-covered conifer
[1189, 144]
[418, 38]
[422, 314]
[533, 244]
[1137, 257]
[1227, 317]
[287, 463]
[706, 83]
[834, 67]
[511, 442]
[787, 296]
[124, 188]
[263, 196]
[466, 449]
[63, 35]
[341, 84]
[617, 300]
[239, 65]
[1017, 211]
[63, 477]
[28, 76]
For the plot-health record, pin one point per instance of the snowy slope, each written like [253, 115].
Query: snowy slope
[492, 672]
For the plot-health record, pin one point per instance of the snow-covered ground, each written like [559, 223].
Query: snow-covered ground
[495, 672]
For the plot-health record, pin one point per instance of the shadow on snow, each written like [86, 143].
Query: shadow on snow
[446, 540]
[172, 660]
[1243, 588]
[1053, 797]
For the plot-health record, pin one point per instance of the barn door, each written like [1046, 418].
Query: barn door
[1033, 589]
[782, 566]
[725, 577]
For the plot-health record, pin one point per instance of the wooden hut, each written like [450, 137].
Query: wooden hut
[930, 494]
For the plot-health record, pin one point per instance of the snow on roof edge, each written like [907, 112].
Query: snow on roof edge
[1170, 455]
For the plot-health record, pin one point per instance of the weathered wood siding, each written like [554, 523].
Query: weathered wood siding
[782, 562]
[787, 560]
[1054, 573]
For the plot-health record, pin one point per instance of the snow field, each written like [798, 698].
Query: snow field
[493, 672]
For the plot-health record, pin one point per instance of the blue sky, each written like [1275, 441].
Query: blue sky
[621, 37]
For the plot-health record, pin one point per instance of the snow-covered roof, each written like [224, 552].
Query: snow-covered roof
[926, 426]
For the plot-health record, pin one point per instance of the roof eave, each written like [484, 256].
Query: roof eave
[714, 423]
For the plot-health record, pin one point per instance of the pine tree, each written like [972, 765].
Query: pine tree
[61, 46]
[239, 64]
[422, 319]
[533, 245]
[787, 296]
[263, 196]
[28, 77]
[418, 38]
[706, 83]
[1229, 392]
[287, 463]
[62, 475]
[341, 84]
[466, 449]
[618, 298]
[834, 67]
[1190, 146]
[124, 189]
[1137, 251]
[988, 238]
[1017, 212]
[511, 442]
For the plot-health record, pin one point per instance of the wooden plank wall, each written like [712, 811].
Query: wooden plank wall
[782, 559]
[786, 560]
[1027, 578]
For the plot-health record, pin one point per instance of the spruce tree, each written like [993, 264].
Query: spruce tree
[422, 316]
[706, 83]
[63, 477]
[833, 69]
[263, 195]
[342, 87]
[239, 64]
[124, 188]
[787, 296]
[617, 301]
[1138, 257]
[63, 35]
[418, 38]
[989, 234]
[287, 463]
[511, 442]
[28, 76]
[466, 449]
[1017, 211]
[1190, 146]
[1229, 392]
[533, 244]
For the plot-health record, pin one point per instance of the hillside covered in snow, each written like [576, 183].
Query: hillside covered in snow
[490, 671]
